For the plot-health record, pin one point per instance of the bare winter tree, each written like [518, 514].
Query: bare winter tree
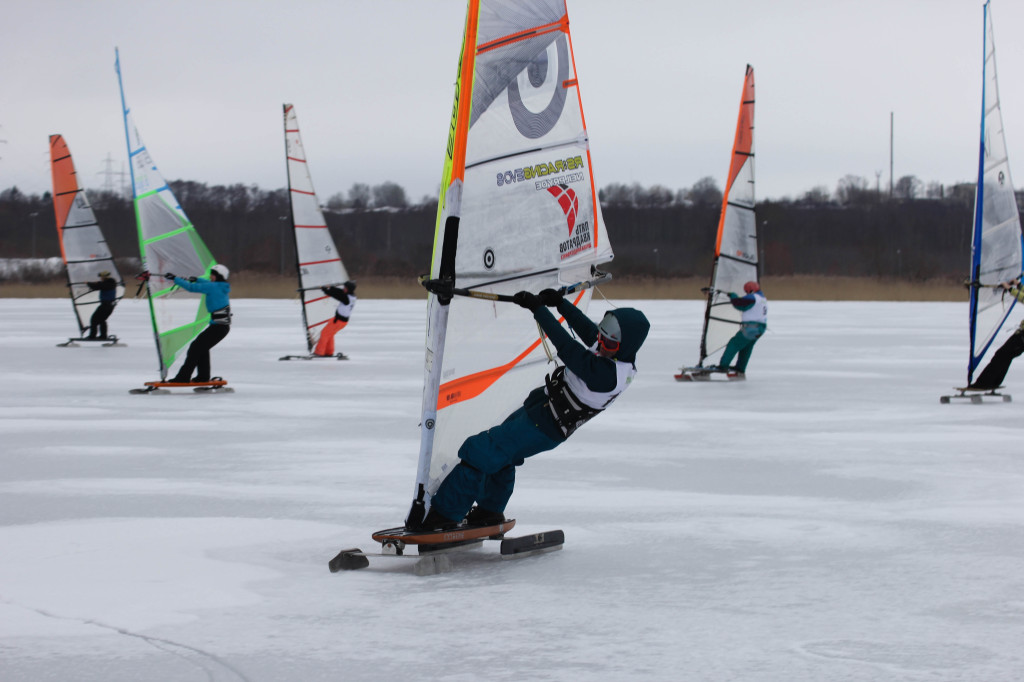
[907, 187]
[389, 195]
[705, 192]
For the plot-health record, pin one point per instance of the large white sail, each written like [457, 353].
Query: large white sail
[82, 246]
[168, 243]
[736, 245]
[996, 244]
[319, 263]
[518, 210]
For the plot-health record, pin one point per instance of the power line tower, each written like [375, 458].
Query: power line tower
[109, 174]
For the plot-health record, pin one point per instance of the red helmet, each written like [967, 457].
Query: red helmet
[751, 287]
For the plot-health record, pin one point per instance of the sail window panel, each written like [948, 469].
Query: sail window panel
[306, 211]
[79, 213]
[739, 240]
[314, 275]
[175, 254]
[156, 218]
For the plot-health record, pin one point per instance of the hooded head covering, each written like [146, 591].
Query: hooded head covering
[633, 328]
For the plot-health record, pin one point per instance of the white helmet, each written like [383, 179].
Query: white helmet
[221, 270]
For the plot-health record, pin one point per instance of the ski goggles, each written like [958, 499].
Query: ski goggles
[606, 344]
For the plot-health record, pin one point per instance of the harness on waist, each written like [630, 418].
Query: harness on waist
[222, 316]
[569, 412]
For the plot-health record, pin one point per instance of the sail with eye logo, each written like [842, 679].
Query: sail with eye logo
[996, 242]
[518, 210]
[318, 261]
[735, 261]
[82, 246]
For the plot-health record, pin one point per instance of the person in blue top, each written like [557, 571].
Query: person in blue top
[753, 323]
[216, 290]
[107, 286]
[595, 372]
[992, 376]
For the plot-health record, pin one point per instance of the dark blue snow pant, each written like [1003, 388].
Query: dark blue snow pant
[743, 344]
[487, 472]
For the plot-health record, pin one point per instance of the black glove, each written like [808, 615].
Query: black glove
[527, 300]
[168, 276]
[191, 279]
[550, 298]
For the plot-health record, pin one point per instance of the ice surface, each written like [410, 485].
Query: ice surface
[826, 519]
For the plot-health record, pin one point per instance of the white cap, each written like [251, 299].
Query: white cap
[221, 270]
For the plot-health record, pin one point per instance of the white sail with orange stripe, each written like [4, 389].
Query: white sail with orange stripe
[736, 254]
[82, 246]
[518, 210]
[317, 259]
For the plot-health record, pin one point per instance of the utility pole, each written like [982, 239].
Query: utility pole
[891, 125]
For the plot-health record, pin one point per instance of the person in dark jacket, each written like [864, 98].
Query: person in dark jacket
[346, 297]
[992, 376]
[107, 286]
[217, 291]
[595, 373]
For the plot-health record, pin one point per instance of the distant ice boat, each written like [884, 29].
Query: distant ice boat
[996, 242]
[82, 247]
[736, 252]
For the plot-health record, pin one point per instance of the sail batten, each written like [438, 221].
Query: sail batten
[515, 212]
[996, 251]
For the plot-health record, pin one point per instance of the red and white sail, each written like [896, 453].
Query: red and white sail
[318, 261]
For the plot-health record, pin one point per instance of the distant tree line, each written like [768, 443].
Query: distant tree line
[918, 232]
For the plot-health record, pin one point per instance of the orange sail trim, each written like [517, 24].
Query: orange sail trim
[469, 387]
[65, 184]
[741, 147]
[465, 95]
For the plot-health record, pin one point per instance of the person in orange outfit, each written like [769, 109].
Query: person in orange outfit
[346, 297]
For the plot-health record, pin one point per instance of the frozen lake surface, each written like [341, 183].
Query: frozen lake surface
[827, 519]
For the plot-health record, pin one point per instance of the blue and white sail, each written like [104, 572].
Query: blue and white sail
[996, 243]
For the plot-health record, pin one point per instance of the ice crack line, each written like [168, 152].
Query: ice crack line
[165, 645]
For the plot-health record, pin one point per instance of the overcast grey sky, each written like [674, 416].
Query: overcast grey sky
[372, 82]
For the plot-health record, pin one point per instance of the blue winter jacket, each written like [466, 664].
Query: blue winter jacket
[216, 292]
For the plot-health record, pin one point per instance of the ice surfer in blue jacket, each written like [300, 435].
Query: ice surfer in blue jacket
[595, 373]
[217, 290]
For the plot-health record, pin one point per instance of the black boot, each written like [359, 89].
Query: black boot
[478, 516]
[435, 521]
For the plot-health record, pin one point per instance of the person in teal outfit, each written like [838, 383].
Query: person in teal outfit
[753, 324]
[593, 375]
[217, 291]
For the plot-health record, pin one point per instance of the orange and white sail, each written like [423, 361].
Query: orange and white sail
[318, 261]
[518, 210]
[736, 254]
[82, 246]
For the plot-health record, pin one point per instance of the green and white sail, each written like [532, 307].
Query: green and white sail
[82, 246]
[996, 243]
[317, 259]
[168, 243]
[518, 210]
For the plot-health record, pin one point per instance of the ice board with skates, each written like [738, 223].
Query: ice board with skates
[976, 395]
[436, 547]
[214, 385]
[108, 341]
[314, 356]
[709, 373]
